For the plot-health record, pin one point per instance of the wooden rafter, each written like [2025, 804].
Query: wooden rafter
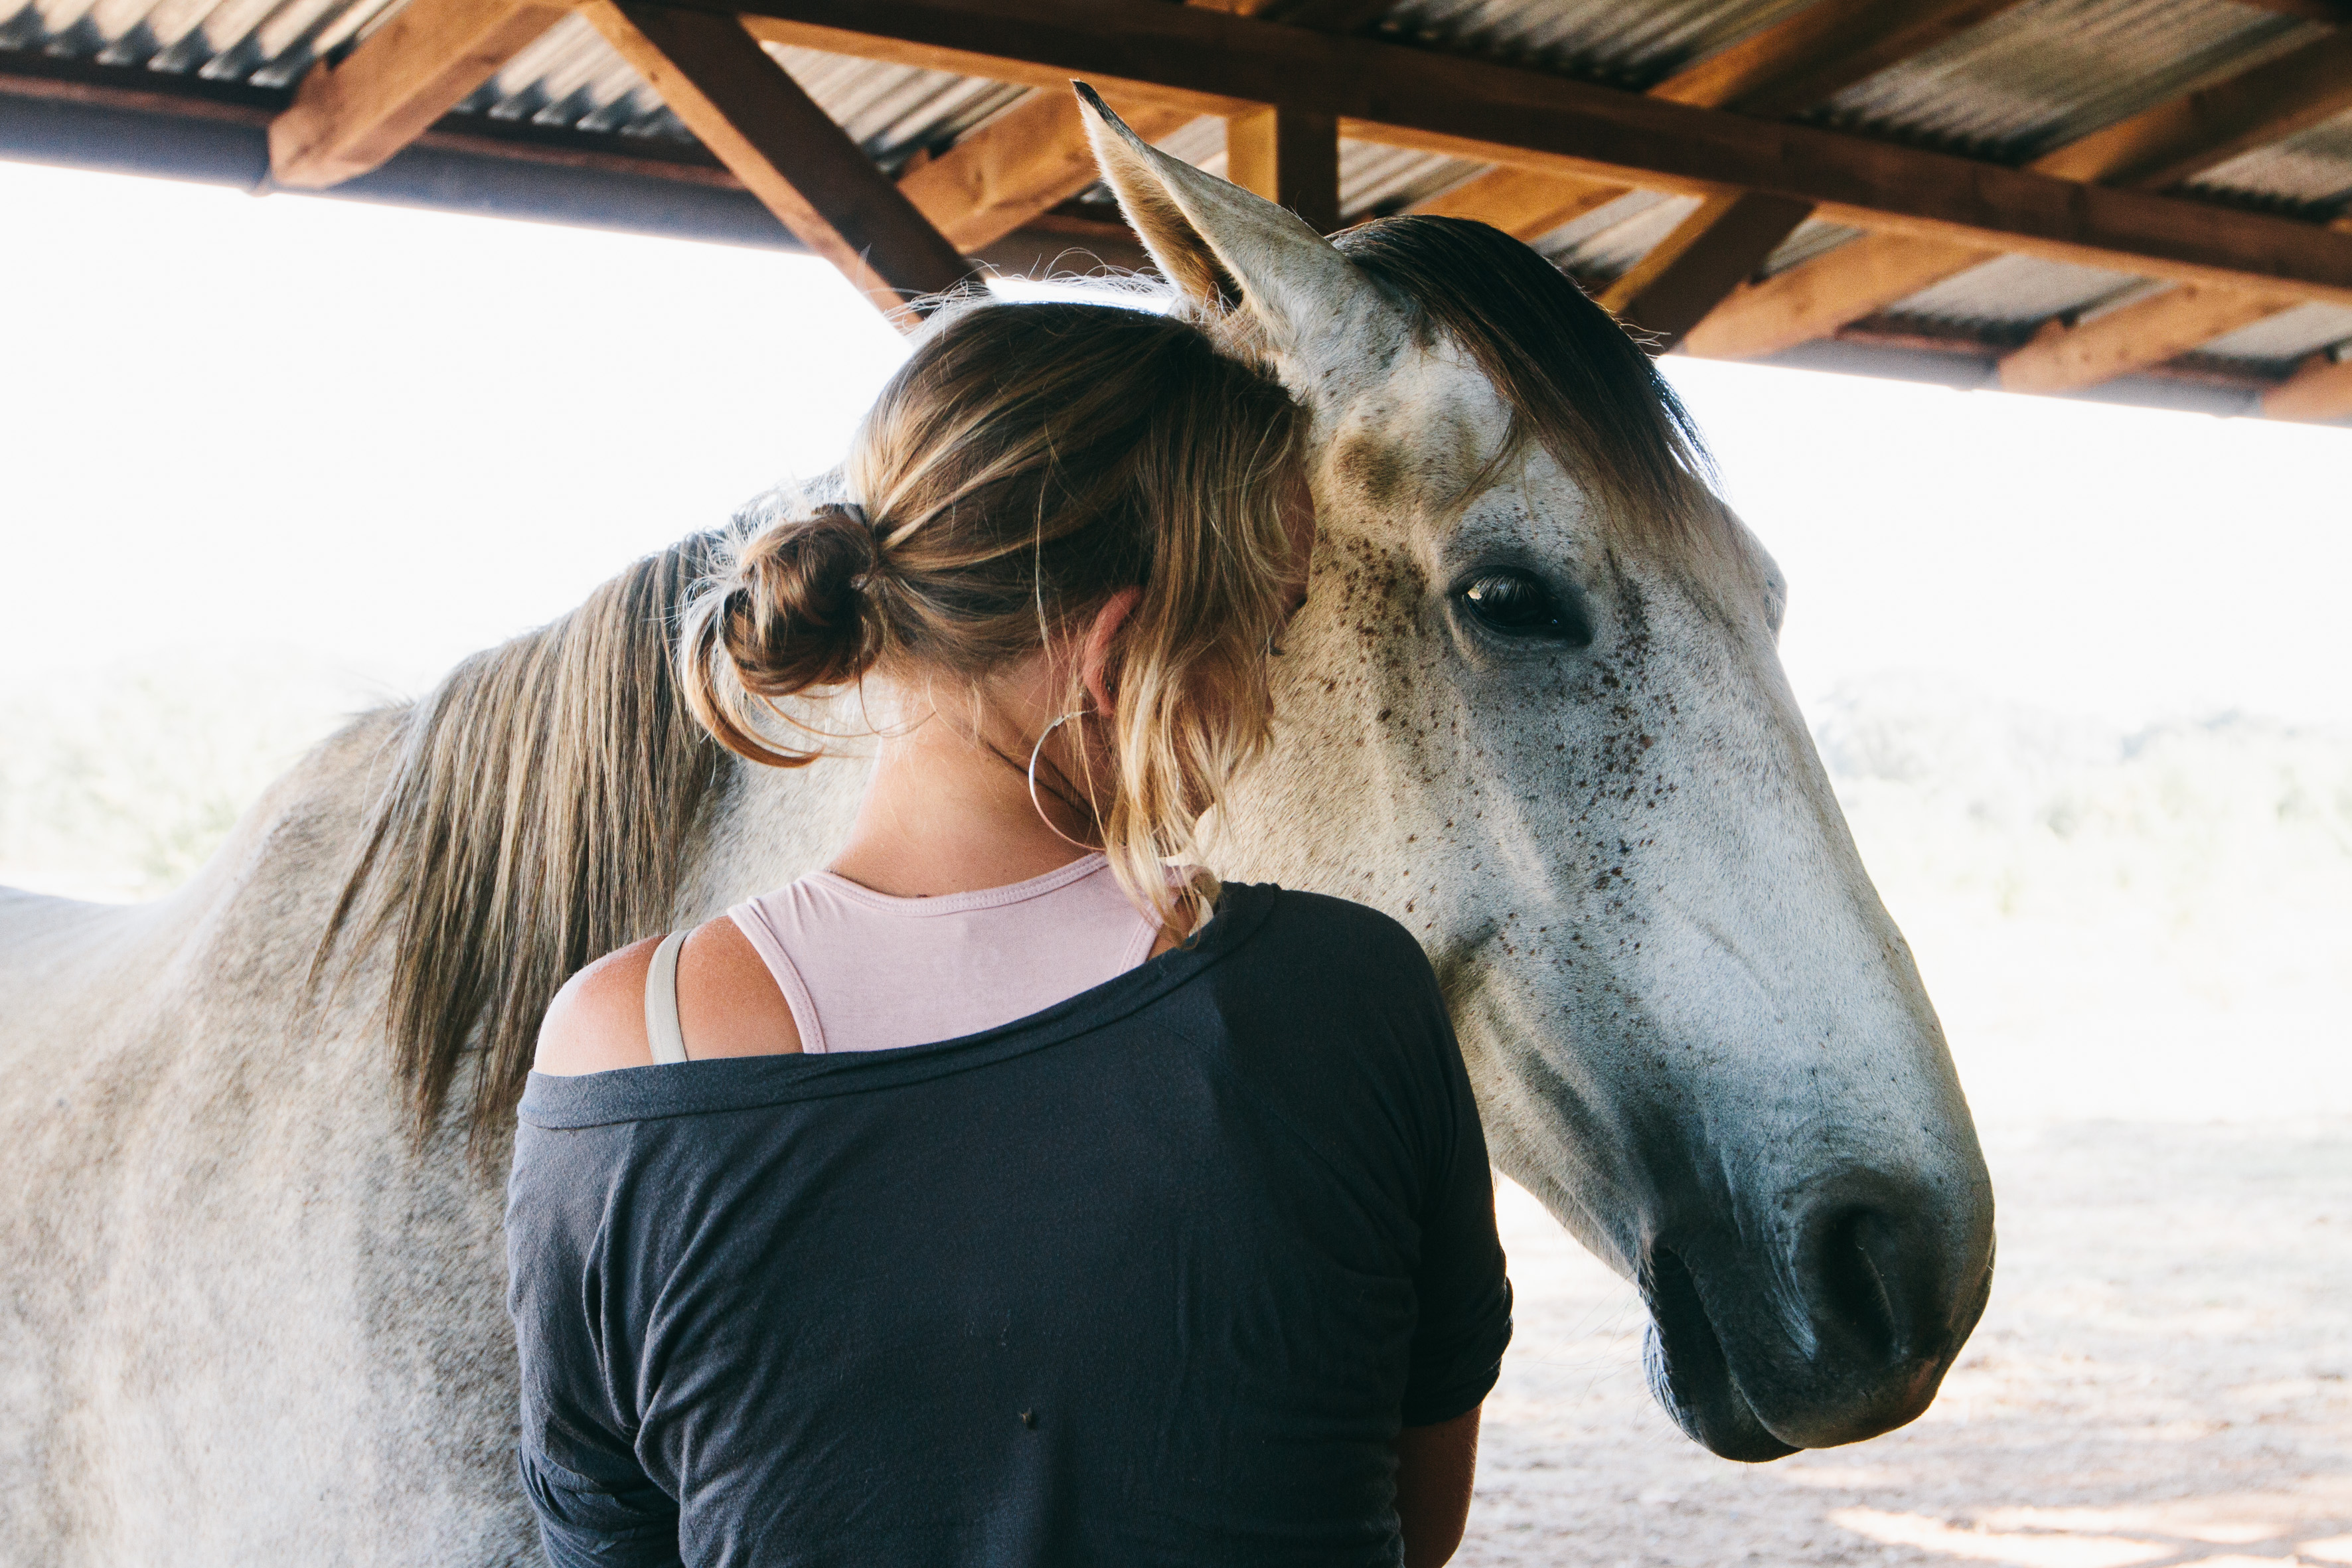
[1816, 298]
[2131, 337]
[348, 119]
[1682, 278]
[1025, 160]
[1035, 155]
[2320, 393]
[1807, 57]
[1797, 62]
[748, 110]
[1289, 157]
[2184, 136]
[1521, 202]
[1471, 108]
[1814, 55]
[2157, 148]
[2160, 149]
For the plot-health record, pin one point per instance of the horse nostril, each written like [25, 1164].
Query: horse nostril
[1861, 1268]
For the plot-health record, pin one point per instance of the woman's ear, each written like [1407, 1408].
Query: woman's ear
[1094, 657]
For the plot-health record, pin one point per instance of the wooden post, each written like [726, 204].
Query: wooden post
[1290, 158]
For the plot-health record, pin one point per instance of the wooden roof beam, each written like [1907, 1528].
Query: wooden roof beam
[1710, 253]
[1800, 61]
[350, 118]
[2183, 137]
[1471, 108]
[1035, 155]
[2131, 337]
[1521, 202]
[1815, 297]
[1291, 157]
[2158, 147]
[2320, 393]
[1811, 56]
[1024, 161]
[2170, 143]
[1792, 65]
[756, 120]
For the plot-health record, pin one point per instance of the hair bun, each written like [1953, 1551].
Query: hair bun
[798, 613]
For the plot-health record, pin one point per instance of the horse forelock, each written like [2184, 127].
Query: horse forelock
[1576, 385]
[538, 814]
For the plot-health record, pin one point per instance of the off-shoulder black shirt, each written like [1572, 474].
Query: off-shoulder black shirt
[1152, 1277]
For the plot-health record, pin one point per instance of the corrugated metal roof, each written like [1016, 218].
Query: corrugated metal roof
[1814, 237]
[268, 43]
[2013, 292]
[2281, 342]
[572, 79]
[2035, 78]
[2052, 71]
[1374, 179]
[1625, 45]
[2038, 76]
[1604, 242]
[2309, 175]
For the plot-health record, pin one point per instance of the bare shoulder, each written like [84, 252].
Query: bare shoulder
[727, 1002]
[597, 1022]
[728, 1006]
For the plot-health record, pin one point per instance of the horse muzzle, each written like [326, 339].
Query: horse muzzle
[1841, 1330]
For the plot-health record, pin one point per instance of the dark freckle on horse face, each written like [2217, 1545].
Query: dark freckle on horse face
[1377, 467]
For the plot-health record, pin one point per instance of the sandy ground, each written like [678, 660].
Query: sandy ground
[2164, 1377]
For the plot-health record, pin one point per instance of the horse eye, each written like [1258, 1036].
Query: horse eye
[1519, 605]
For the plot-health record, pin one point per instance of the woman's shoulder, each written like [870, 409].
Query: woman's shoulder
[1335, 948]
[1342, 928]
[597, 1021]
[728, 1006]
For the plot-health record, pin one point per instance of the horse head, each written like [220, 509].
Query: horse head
[1533, 709]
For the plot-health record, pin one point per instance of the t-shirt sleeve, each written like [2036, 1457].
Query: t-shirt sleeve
[596, 1503]
[1463, 1291]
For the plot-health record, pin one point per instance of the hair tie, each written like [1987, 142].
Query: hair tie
[849, 510]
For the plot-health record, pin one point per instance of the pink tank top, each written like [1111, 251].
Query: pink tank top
[865, 972]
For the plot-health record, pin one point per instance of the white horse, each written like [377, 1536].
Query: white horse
[1532, 709]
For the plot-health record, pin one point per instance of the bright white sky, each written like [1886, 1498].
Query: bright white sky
[393, 437]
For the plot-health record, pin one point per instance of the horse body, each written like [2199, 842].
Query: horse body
[248, 1314]
[250, 1321]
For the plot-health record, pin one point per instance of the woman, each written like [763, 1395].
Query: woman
[998, 1193]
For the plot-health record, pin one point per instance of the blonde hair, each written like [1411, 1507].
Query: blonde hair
[1028, 462]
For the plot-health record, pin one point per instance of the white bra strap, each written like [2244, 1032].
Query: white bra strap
[661, 1001]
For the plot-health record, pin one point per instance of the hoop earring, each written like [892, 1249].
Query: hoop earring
[1039, 807]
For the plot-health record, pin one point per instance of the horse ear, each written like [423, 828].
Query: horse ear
[1217, 242]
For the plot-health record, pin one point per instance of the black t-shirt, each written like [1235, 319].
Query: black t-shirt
[1152, 1277]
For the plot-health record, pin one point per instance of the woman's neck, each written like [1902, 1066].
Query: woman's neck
[944, 814]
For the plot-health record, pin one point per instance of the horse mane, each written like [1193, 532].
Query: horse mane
[1576, 382]
[536, 818]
